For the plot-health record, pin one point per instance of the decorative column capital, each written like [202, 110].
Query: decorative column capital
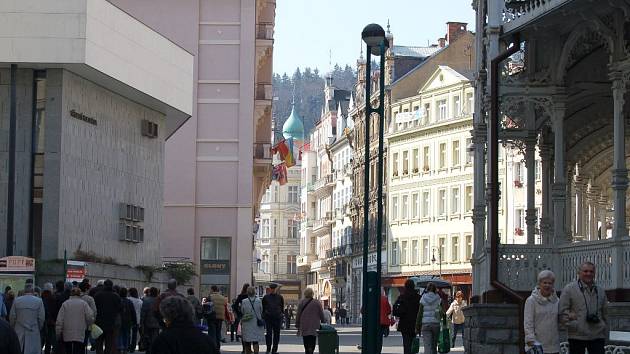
[479, 133]
[559, 191]
[620, 179]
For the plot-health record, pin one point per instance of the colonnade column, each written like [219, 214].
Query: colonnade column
[530, 162]
[580, 205]
[559, 189]
[569, 221]
[479, 192]
[594, 206]
[619, 172]
[545, 161]
[603, 204]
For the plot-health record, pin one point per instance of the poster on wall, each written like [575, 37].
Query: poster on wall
[76, 271]
[15, 271]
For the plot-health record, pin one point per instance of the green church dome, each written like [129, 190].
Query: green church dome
[293, 127]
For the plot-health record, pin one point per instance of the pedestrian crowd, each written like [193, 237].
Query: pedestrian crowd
[68, 317]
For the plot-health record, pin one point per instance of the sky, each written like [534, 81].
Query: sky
[309, 33]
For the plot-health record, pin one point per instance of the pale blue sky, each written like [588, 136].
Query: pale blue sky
[306, 30]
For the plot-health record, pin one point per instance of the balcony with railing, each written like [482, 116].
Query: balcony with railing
[319, 224]
[418, 120]
[305, 260]
[520, 264]
[325, 182]
[341, 251]
[517, 13]
[330, 217]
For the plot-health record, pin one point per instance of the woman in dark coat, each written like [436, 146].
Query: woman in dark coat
[181, 336]
[406, 309]
[149, 323]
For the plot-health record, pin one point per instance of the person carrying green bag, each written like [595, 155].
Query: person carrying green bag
[428, 319]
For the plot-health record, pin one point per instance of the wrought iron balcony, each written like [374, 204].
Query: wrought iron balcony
[326, 181]
[516, 13]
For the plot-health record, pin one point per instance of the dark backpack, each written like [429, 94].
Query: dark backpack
[209, 314]
[399, 308]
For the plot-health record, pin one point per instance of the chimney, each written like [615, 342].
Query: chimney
[454, 31]
[441, 42]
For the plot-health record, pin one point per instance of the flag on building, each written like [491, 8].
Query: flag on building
[280, 173]
[285, 149]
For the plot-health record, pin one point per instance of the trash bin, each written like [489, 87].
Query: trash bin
[328, 339]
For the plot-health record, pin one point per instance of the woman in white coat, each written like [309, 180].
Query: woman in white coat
[251, 332]
[541, 316]
[27, 319]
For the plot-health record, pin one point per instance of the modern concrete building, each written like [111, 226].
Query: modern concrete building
[277, 245]
[219, 164]
[97, 93]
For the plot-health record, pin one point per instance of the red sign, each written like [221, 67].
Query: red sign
[76, 271]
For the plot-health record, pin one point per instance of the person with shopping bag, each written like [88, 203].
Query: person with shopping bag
[428, 319]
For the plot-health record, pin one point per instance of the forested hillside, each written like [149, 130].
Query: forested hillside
[309, 93]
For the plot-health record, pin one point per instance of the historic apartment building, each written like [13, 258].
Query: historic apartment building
[92, 115]
[219, 164]
[403, 75]
[318, 183]
[430, 182]
[277, 245]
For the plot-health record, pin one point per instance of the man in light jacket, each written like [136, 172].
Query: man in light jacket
[74, 318]
[27, 318]
[584, 310]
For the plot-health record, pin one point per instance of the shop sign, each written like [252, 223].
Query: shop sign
[83, 117]
[215, 267]
[291, 297]
[76, 271]
[357, 262]
[12, 264]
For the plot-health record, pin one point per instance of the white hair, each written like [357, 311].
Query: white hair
[546, 274]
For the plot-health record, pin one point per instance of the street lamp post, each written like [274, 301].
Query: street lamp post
[374, 37]
[440, 256]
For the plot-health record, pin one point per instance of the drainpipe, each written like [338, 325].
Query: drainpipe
[493, 202]
[11, 177]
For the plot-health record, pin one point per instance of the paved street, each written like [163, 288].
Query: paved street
[349, 337]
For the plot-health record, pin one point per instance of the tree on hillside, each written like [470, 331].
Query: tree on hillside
[308, 87]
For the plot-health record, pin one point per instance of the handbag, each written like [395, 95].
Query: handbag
[259, 322]
[535, 349]
[444, 338]
[95, 331]
[415, 345]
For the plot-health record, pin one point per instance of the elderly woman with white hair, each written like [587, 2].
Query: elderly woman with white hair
[541, 316]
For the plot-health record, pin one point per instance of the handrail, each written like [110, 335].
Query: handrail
[493, 205]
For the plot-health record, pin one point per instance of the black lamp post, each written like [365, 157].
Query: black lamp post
[374, 37]
[440, 256]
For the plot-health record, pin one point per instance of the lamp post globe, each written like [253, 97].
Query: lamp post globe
[373, 35]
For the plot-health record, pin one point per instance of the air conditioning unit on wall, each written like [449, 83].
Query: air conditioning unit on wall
[149, 129]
